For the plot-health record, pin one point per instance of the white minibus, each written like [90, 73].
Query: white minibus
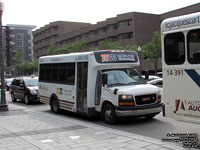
[181, 67]
[99, 82]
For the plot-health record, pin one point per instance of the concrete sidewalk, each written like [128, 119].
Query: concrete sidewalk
[22, 128]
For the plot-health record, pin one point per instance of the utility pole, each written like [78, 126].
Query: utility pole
[3, 104]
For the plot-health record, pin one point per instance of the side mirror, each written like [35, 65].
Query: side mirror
[104, 79]
[115, 91]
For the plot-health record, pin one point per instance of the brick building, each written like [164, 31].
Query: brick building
[51, 33]
[132, 28]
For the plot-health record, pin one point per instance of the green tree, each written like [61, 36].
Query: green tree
[18, 56]
[152, 50]
[18, 65]
[30, 66]
[132, 48]
[73, 47]
[51, 50]
[24, 68]
[108, 45]
[70, 48]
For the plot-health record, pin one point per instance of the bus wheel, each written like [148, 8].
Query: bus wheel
[109, 115]
[55, 105]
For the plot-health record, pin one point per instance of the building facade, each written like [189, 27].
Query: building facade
[51, 33]
[21, 40]
[128, 29]
[132, 28]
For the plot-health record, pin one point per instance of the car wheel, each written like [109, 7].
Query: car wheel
[55, 107]
[109, 115]
[13, 97]
[26, 99]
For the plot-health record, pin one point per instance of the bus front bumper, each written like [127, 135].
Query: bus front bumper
[138, 111]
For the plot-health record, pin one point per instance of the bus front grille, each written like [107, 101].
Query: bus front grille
[145, 99]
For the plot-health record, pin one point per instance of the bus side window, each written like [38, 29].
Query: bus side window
[193, 44]
[174, 48]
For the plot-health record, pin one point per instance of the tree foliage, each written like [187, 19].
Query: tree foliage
[109, 45]
[51, 49]
[152, 50]
[132, 48]
[70, 48]
[24, 68]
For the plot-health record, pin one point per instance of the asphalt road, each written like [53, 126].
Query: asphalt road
[158, 127]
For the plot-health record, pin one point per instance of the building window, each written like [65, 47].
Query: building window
[86, 35]
[102, 29]
[113, 38]
[124, 36]
[19, 36]
[19, 40]
[125, 23]
[95, 32]
[20, 44]
[55, 27]
[115, 26]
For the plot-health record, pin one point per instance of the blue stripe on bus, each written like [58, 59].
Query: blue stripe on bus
[193, 75]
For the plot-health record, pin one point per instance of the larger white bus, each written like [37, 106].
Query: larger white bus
[101, 82]
[181, 67]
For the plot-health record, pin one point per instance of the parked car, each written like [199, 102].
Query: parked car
[151, 77]
[159, 74]
[8, 82]
[25, 88]
[157, 82]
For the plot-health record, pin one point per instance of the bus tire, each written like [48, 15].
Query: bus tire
[55, 107]
[108, 114]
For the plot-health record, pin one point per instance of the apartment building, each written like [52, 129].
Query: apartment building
[128, 29]
[50, 33]
[21, 40]
[132, 28]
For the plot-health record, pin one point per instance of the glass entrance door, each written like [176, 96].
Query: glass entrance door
[82, 75]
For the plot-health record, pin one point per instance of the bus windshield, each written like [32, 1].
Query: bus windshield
[120, 77]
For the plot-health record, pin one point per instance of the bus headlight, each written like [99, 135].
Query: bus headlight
[126, 100]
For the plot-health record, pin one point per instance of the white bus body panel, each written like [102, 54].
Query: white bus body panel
[65, 93]
[181, 94]
[180, 23]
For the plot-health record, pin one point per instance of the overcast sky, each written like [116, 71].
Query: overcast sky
[41, 12]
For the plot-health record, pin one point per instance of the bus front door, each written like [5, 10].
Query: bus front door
[82, 75]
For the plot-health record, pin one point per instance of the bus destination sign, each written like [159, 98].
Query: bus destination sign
[115, 57]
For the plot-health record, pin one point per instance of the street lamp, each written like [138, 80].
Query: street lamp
[3, 104]
[139, 51]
